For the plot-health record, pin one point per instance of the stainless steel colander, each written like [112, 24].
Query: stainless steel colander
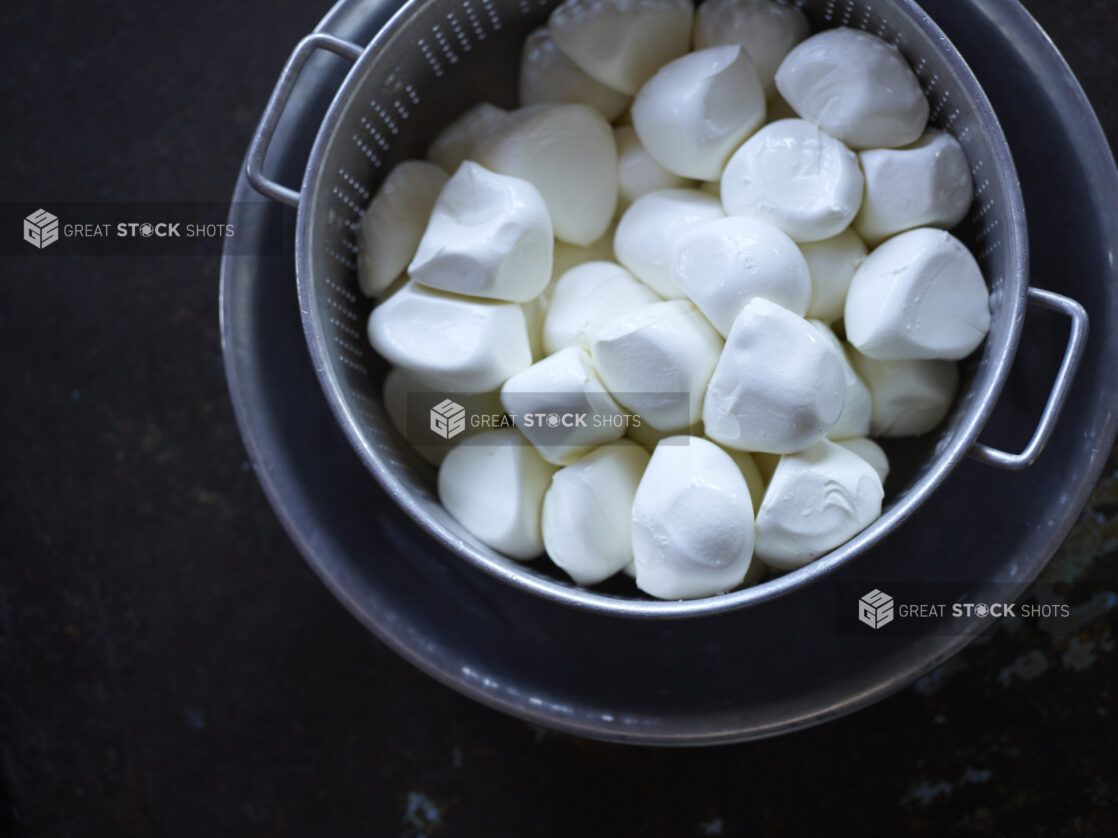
[436, 58]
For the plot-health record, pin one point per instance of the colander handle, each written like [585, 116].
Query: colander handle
[254, 168]
[1077, 340]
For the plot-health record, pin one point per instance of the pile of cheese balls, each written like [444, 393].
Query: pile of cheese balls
[751, 260]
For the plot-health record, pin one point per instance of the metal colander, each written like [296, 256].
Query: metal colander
[436, 58]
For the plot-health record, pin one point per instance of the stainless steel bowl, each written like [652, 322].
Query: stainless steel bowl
[434, 59]
[759, 671]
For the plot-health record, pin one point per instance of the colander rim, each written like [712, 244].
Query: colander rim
[315, 187]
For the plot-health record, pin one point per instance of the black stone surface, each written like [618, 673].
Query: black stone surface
[170, 666]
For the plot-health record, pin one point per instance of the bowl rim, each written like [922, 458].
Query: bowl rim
[1013, 305]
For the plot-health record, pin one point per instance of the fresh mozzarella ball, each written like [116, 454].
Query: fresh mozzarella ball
[548, 77]
[752, 474]
[622, 42]
[869, 451]
[587, 512]
[637, 172]
[649, 228]
[456, 143]
[657, 361]
[493, 485]
[462, 345]
[766, 30]
[722, 265]
[399, 386]
[855, 87]
[567, 152]
[698, 109]
[918, 296]
[778, 387]
[818, 500]
[560, 405]
[832, 263]
[910, 398]
[692, 521]
[795, 177]
[393, 223]
[489, 236]
[586, 298]
[858, 407]
[926, 184]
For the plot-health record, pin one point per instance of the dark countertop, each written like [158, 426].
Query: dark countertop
[170, 666]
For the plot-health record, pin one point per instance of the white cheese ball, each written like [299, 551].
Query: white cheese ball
[567, 152]
[649, 227]
[638, 173]
[493, 484]
[561, 406]
[692, 521]
[698, 109]
[795, 177]
[460, 344]
[855, 87]
[766, 30]
[393, 223]
[401, 387]
[925, 184]
[869, 451]
[910, 398]
[489, 236]
[587, 512]
[918, 296]
[548, 77]
[456, 143]
[858, 407]
[778, 387]
[818, 500]
[832, 264]
[722, 265]
[657, 361]
[586, 298]
[621, 43]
